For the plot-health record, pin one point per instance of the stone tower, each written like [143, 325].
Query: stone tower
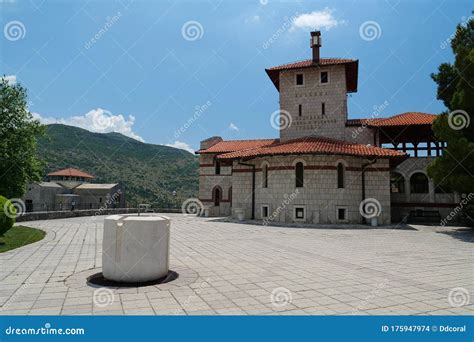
[313, 94]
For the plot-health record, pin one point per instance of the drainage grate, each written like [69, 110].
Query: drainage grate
[98, 279]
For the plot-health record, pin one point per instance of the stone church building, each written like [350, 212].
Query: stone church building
[325, 168]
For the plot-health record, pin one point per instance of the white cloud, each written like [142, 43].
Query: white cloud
[182, 146]
[11, 79]
[233, 127]
[97, 120]
[316, 20]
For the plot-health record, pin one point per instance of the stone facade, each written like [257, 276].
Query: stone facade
[73, 195]
[319, 197]
[432, 200]
[311, 96]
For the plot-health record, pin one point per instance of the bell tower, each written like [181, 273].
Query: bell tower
[313, 94]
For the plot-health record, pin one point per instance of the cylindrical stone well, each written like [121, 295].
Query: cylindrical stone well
[135, 248]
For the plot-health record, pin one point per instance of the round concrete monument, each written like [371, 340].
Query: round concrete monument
[135, 248]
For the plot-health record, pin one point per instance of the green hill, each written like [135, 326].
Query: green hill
[150, 173]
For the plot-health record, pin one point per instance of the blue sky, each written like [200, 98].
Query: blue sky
[177, 72]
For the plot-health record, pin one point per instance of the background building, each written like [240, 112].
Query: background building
[70, 189]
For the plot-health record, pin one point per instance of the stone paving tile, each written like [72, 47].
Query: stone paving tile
[234, 269]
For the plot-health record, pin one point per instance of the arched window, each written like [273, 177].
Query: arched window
[397, 183]
[216, 194]
[265, 176]
[299, 175]
[218, 167]
[419, 183]
[340, 175]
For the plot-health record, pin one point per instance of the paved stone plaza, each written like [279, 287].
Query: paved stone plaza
[241, 269]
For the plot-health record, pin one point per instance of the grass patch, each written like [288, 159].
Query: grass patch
[20, 236]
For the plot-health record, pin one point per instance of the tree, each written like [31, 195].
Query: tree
[18, 134]
[454, 170]
[7, 215]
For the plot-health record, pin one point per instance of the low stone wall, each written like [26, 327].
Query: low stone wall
[51, 215]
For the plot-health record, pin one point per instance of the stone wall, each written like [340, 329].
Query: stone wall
[208, 180]
[403, 203]
[310, 96]
[320, 196]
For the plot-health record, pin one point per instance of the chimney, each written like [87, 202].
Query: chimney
[315, 45]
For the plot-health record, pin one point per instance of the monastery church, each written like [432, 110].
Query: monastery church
[324, 167]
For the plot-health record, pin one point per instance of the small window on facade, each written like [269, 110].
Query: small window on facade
[100, 199]
[300, 110]
[324, 77]
[397, 183]
[341, 214]
[218, 167]
[299, 213]
[265, 211]
[217, 197]
[323, 108]
[265, 176]
[299, 175]
[299, 79]
[340, 175]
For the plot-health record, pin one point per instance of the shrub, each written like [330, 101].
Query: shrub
[7, 215]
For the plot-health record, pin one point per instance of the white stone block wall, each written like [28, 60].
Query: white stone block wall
[310, 96]
[320, 195]
[208, 180]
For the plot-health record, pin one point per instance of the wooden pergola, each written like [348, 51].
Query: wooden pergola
[414, 138]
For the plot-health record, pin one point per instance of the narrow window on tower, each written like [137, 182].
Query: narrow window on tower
[323, 108]
[299, 79]
[300, 110]
[324, 77]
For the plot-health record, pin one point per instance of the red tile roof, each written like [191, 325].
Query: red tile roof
[314, 145]
[351, 65]
[70, 172]
[236, 145]
[404, 119]
[309, 63]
